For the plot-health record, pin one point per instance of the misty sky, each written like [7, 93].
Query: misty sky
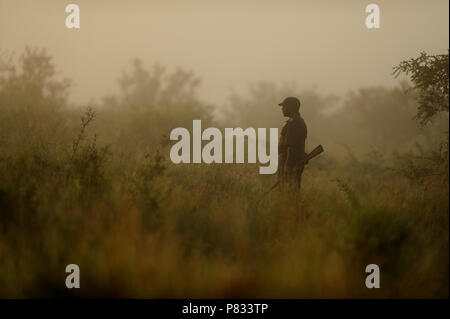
[229, 44]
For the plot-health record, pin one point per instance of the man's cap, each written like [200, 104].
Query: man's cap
[290, 101]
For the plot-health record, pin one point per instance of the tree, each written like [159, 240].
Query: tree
[377, 116]
[429, 74]
[31, 97]
[150, 104]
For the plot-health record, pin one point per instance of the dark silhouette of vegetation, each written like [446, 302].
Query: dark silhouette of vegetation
[429, 74]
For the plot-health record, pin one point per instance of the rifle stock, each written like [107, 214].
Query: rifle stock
[318, 150]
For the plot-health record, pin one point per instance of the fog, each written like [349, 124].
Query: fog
[88, 176]
[228, 44]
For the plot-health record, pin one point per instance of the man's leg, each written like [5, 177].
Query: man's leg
[299, 177]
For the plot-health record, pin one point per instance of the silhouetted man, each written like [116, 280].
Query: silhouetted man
[291, 148]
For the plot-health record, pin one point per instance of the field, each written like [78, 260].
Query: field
[102, 193]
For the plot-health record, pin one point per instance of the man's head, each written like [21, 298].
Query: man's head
[290, 106]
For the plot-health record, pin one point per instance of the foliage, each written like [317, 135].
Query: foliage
[429, 74]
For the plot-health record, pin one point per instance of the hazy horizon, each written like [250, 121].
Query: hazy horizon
[228, 45]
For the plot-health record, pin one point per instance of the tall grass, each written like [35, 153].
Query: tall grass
[163, 230]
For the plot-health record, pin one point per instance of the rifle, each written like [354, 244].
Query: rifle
[318, 150]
